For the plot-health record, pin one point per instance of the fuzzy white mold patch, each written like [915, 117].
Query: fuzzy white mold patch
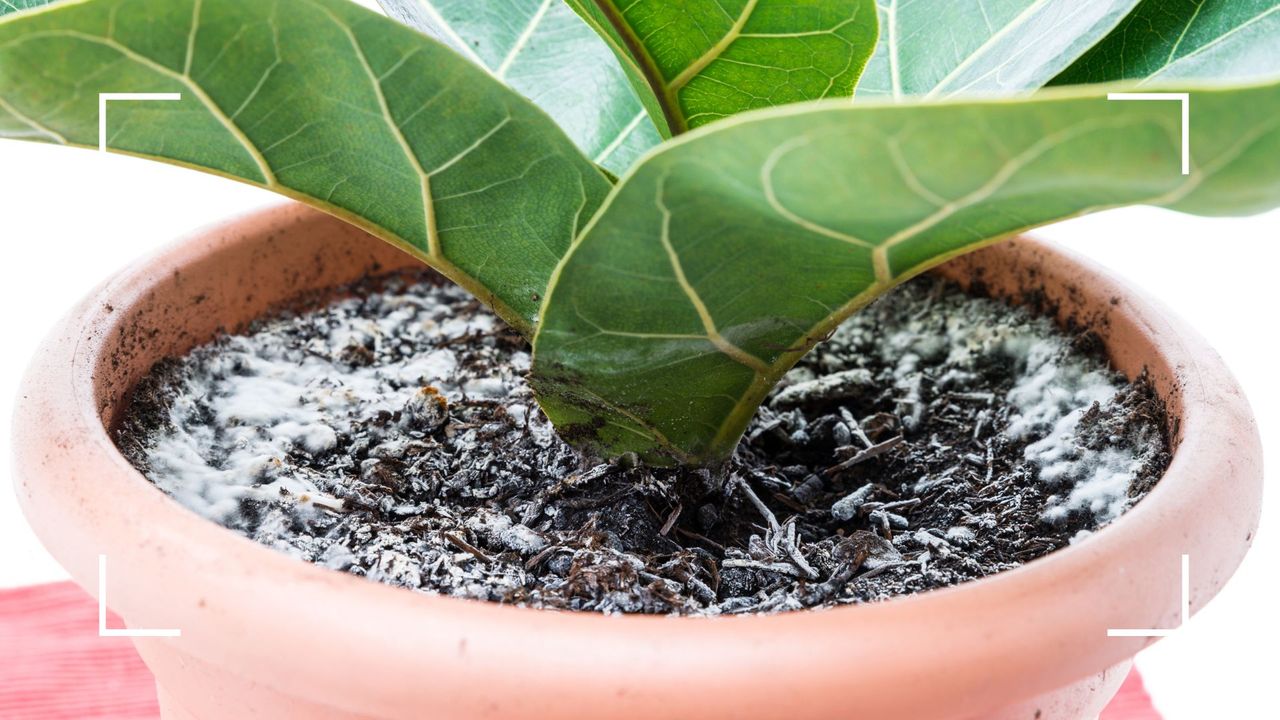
[1054, 386]
[261, 397]
[1054, 390]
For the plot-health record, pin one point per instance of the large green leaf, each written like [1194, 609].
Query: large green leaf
[696, 61]
[322, 101]
[542, 49]
[725, 256]
[982, 47]
[1166, 40]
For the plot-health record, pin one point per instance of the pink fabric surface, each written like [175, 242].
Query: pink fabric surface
[1132, 702]
[53, 665]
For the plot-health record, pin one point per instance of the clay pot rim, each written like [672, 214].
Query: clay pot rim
[260, 582]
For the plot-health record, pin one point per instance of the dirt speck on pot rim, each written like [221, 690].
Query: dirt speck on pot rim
[935, 438]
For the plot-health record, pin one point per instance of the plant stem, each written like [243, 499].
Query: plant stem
[652, 75]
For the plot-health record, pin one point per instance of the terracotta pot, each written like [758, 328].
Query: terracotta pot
[264, 635]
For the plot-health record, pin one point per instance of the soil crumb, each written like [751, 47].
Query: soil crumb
[935, 438]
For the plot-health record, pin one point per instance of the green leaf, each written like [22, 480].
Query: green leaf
[697, 61]
[322, 101]
[726, 255]
[1167, 40]
[543, 50]
[982, 47]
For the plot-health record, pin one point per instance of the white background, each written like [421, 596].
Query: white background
[69, 217]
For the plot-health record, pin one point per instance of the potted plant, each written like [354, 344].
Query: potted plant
[667, 252]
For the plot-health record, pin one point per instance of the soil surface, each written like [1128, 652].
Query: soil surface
[935, 438]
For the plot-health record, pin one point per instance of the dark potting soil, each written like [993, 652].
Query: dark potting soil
[935, 438]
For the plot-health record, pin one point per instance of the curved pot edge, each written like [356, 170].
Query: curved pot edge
[991, 621]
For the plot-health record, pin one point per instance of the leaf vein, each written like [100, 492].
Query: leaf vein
[269, 178]
[697, 66]
[522, 40]
[31, 122]
[704, 315]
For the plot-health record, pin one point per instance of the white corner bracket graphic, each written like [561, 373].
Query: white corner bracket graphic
[1186, 610]
[103, 98]
[1185, 99]
[103, 630]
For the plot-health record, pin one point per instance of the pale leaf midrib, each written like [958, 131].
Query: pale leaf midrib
[270, 181]
[1212, 43]
[721, 343]
[424, 178]
[511, 57]
[435, 253]
[1183, 35]
[986, 45]
[191, 37]
[522, 41]
[712, 53]
[228, 124]
[621, 138]
[895, 61]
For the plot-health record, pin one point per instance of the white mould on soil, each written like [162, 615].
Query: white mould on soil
[935, 438]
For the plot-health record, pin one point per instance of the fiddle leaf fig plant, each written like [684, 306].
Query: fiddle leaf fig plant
[666, 292]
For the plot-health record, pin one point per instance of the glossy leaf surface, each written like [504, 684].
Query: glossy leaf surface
[325, 102]
[543, 50]
[1168, 40]
[697, 61]
[724, 257]
[982, 47]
